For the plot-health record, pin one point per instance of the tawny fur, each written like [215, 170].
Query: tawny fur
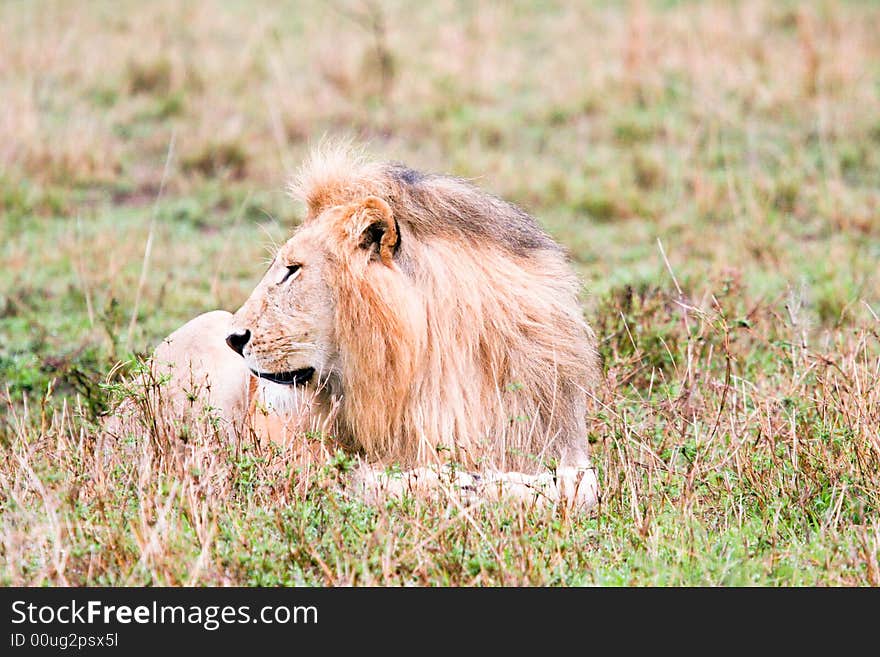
[463, 338]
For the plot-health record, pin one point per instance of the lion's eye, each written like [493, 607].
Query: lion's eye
[291, 273]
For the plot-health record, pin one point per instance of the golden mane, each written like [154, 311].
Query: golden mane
[471, 345]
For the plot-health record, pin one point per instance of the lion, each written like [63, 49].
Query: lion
[421, 322]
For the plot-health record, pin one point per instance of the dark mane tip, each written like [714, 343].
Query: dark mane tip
[404, 174]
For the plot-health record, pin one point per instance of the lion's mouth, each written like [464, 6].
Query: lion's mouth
[293, 378]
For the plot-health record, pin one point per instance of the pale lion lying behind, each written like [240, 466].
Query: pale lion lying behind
[422, 323]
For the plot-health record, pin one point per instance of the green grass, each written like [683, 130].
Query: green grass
[737, 437]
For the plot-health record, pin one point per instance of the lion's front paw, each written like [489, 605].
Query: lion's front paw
[572, 487]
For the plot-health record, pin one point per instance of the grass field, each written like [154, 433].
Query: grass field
[714, 169]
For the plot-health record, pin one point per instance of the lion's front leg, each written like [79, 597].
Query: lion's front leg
[573, 487]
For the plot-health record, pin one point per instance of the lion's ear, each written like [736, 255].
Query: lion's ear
[381, 233]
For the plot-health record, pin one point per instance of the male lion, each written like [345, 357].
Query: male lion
[419, 321]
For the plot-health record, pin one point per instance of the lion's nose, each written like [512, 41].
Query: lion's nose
[237, 341]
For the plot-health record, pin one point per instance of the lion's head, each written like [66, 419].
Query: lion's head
[286, 329]
[442, 321]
